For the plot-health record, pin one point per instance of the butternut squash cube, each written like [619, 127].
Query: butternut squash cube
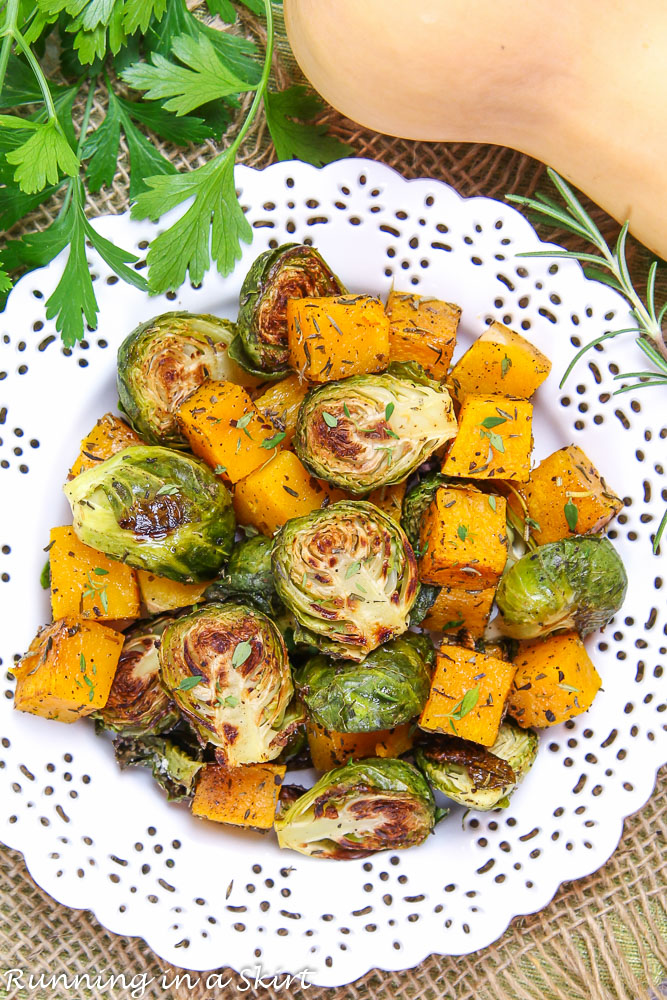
[226, 430]
[243, 796]
[329, 749]
[457, 607]
[468, 695]
[86, 583]
[500, 360]
[463, 539]
[389, 499]
[337, 335]
[109, 436]
[555, 680]
[494, 440]
[281, 489]
[68, 670]
[422, 329]
[567, 478]
[158, 594]
[280, 405]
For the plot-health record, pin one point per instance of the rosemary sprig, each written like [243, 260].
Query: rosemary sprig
[609, 267]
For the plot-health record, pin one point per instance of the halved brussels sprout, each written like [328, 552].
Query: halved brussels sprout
[163, 361]
[387, 688]
[175, 760]
[348, 575]
[373, 430]
[291, 271]
[577, 583]
[155, 509]
[476, 776]
[138, 705]
[247, 574]
[377, 804]
[227, 670]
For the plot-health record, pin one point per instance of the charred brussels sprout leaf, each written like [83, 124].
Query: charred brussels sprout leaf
[138, 704]
[348, 575]
[155, 509]
[174, 760]
[476, 776]
[426, 597]
[576, 583]
[227, 670]
[387, 688]
[291, 271]
[373, 430]
[369, 805]
[163, 361]
[247, 575]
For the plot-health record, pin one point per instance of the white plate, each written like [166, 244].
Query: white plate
[201, 895]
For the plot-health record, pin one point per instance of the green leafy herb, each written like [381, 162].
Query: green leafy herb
[492, 502]
[462, 532]
[241, 653]
[388, 410]
[45, 575]
[352, 570]
[231, 701]
[505, 366]
[569, 688]
[219, 469]
[571, 514]
[287, 116]
[489, 422]
[274, 441]
[494, 439]
[188, 683]
[168, 490]
[329, 419]
[98, 571]
[463, 707]
[454, 623]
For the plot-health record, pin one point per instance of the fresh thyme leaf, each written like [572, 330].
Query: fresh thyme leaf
[494, 439]
[231, 701]
[98, 571]
[329, 419]
[188, 683]
[287, 115]
[45, 575]
[169, 490]
[388, 410]
[352, 570]
[493, 421]
[492, 502]
[571, 512]
[462, 532]
[241, 653]
[274, 441]
[505, 366]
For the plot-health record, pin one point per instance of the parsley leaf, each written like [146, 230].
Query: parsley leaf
[43, 157]
[287, 112]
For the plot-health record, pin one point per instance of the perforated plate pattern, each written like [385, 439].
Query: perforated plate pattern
[203, 895]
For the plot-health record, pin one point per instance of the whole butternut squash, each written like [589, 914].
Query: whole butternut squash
[575, 84]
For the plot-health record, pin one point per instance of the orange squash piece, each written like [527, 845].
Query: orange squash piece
[502, 361]
[335, 336]
[555, 680]
[457, 607]
[422, 329]
[329, 749]
[459, 672]
[463, 539]
[68, 670]
[494, 439]
[566, 477]
[109, 436]
[158, 594]
[86, 583]
[226, 430]
[243, 796]
[389, 499]
[279, 490]
[280, 405]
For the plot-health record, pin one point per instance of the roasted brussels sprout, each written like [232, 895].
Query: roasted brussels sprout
[227, 670]
[348, 575]
[162, 361]
[247, 575]
[291, 271]
[155, 509]
[575, 583]
[373, 430]
[174, 759]
[476, 776]
[138, 704]
[376, 804]
[417, 498]
[387, 688]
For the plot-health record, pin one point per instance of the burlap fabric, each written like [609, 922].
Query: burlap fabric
[602, 938]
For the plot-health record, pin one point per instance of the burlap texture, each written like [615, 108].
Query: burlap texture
[602, 938]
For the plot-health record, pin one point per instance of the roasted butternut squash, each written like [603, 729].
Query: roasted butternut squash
[335, 336]
[243, 796]
[555, 680]
[422, 329]
[459, 607]
[279, 490]
[501, 361]
[158, 594]
[494, 440]
[565, 485]
[329, 749]
[468, 695]
[226, 430]
[109, 436]
[463, 539]
[68, 670]
[86, 583]
[389, 499]
[280, 404]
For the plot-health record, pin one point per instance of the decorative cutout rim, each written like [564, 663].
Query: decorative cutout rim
[203, 896]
